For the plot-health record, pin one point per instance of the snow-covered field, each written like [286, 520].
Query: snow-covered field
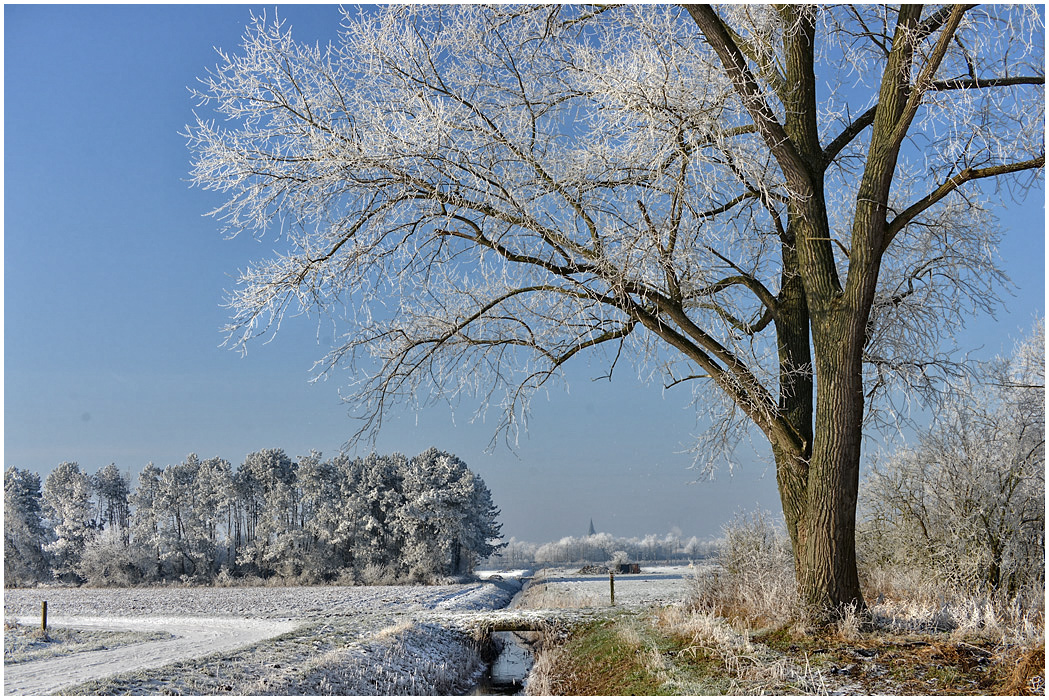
[257, 640]
[298, 602]
[655, 585]
[361, 640]
[189, 638]
[24, 643]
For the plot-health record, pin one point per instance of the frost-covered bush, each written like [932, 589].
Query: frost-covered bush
[964, 506]
[755, 580]
[106, 561]
[377, 575]
[619, 558]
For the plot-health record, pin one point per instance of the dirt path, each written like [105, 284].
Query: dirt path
[194, 637]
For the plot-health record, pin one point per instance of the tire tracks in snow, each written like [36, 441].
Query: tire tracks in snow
[194, 637]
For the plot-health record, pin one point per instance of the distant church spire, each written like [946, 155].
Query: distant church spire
[592, 531]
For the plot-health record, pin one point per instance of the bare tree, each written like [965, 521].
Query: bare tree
[966, 504]
[779, 202]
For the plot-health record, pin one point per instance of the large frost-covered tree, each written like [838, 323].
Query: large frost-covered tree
[71, 514]
[376, 496]
[146, 522]
[781, 202]
[179, 520]
[212, 496]
[267, 480]
[24, 532]
[114, 508]
[321, 509]
[448, 518]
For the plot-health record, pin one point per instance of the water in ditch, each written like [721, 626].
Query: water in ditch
[507, 673]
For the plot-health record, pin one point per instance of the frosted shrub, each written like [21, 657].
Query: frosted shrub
[618, 559]
[346, 577]
[376, 575]
[960, 515]
[755, 581]
[223, 579]
[106, 562]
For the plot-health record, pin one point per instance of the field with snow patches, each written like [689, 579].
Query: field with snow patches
[360, 640]
[250, 641]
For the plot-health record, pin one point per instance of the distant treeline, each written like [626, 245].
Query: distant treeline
[600, 548]
[377, 519]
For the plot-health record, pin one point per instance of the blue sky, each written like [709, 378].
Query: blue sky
[114, 279]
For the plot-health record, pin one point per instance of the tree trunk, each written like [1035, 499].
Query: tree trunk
[822, 502]
[819, 490]
[795, 391]
[829, 578]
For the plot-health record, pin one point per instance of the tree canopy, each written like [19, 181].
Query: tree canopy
[789, 203]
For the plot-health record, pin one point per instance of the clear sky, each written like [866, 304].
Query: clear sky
[114, 280]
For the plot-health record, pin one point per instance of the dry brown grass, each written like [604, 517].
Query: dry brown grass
[740, 634]
[543, 596]
[1028, 674]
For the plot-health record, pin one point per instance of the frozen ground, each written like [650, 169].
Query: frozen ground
[190, 637]
[286, 638]
[25, 642]
[655, 585]
[263, 602]
[382, 640]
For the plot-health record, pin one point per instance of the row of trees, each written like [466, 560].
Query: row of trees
[378, 518]
[602, 547]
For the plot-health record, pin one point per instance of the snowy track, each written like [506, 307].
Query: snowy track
[194, 637]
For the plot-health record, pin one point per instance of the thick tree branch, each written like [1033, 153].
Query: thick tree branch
[733, 377]
[985, 83]
[735, 63]
[856, 127]
[924, 81]
[848, 134]
[967, 175]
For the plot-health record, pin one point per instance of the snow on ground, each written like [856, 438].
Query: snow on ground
[213, 622]
[374, 640]
[655, 585]
[192, 637]
[502, 573]
[265, 602]
[24, 643]
[406, 659]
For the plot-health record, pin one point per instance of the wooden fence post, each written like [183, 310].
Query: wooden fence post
[43, 617]
[612, 585]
